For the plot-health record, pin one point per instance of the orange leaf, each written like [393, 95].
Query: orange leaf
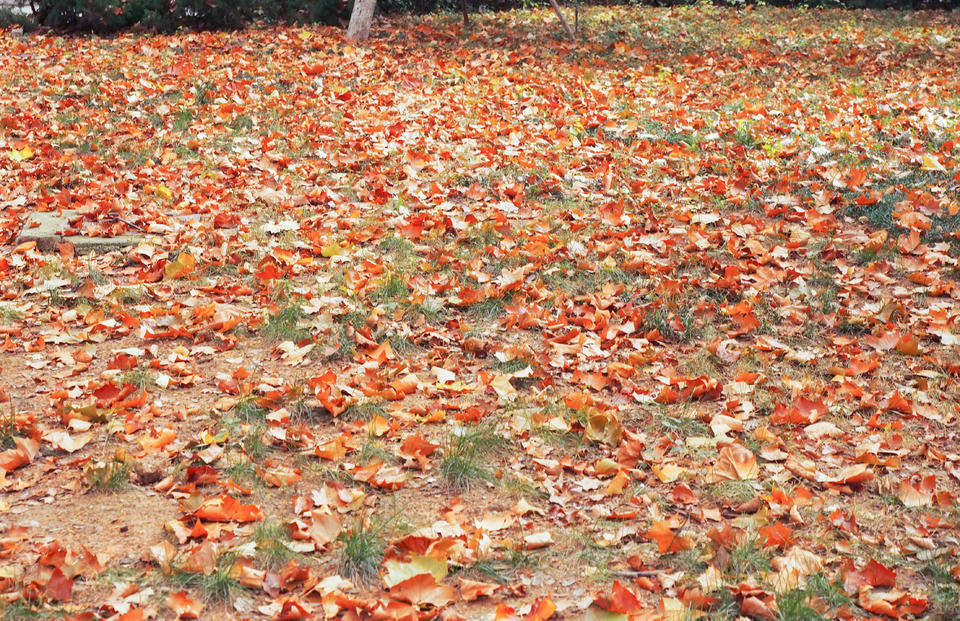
[668, 541]
[474, 589]
[908, 345]
[423, 589]
[182, 266]
[736, 462]
[227, 509]
[183, 606]
[776, 535]
[542, 610]
[878, 575]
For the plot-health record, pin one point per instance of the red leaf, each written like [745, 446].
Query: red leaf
[59, 587]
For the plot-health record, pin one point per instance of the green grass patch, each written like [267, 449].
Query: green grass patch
[466, 455]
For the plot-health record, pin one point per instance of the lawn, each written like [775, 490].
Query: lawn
[486, 323]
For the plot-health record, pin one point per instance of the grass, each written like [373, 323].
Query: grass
[139, 377]
[284, 325]
[794, 606]
[431, 309]
[466, 455]
[392, 290]
[490, 308]
[733, 491]
[373, 450]
[8, 314]
[253, 444]
[503, 568]
[401, 344]
[747, 559]
[248, 410]
[363, 410]
[681, 425]
[24, 611]
[8, 428]
[829, 592]
[271, 539]
[401, 250]
[109, 476]
[944, 594]
[673, 325]
[128, 296]
[512, 366]
[218, 586]
[242, 472]
[362, 550]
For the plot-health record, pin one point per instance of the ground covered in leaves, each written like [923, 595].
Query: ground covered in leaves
[474, 325]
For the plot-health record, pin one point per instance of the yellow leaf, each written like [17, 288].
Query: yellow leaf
[668, 473]
[184, 264]
[603, 427]
[928, 162]
[398, 571]
[331, 250]
[18, 156]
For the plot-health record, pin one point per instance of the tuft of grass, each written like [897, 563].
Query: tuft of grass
[490, 308]
[109, 476]
[944, 593]
[249, 411]
[23, 611]
[431, 309]
[8, 428]
[467, 453]
[743, 136]
[129, 296]
[677, 325]
[829, 592]
[271, 539]
[747, 559]
[9, 314]
[363, 550]
[183, 120]
[502, 569]
[284, 325]
[793, 606]
[363, 410]
[402, 250]
[346, 346]
[218, 586]
[253, 444]
[242, 472]
[373, 450]
[139, 377]
[512, 366]
[401, 344]
[394, 289]
[681, 425]
[733, 491]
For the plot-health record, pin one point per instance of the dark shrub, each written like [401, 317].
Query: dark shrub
[106, 16]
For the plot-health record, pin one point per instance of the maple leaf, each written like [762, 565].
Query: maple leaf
[736, 462]
[227, 509]
[473, 589]
[423, 589]
[184, 606]
[669, 541]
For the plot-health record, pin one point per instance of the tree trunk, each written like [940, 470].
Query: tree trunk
[360, 19]
[466, 13]
[563, 20]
